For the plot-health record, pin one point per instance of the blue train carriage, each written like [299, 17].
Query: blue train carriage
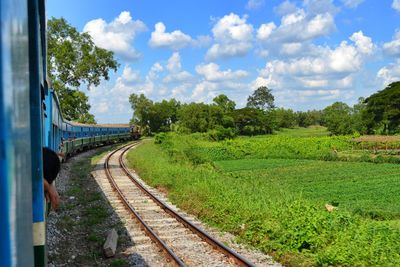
[22, 85]
[30, 118]
[67, 138]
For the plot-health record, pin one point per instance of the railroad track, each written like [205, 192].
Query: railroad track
[182, 242]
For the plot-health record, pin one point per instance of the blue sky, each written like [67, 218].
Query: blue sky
[311, 53]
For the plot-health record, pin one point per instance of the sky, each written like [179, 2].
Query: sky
[310, 53]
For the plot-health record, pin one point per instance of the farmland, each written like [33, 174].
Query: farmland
[271, 192]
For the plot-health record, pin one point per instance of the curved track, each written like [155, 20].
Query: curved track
[205, 250]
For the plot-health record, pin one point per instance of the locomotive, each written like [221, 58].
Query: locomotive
[30, 119]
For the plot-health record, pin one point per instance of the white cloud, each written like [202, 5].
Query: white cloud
[291, 48]
[285, 7]
[393, 47]
[326, 73]
[174, 40]
[265, 31]
[174, 68]
[101, 108]
[233, 37]
[212, 73]
[255, 4]
[118, 35]
[364, 43]
[320, 6]
[174, 63]
[129, 75]
[300, 26]
[396, 5]
[390, 73]
[352, 3]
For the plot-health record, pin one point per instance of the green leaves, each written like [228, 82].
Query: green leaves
[72, 61]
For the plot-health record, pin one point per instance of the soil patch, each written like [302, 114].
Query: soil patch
[77, 231]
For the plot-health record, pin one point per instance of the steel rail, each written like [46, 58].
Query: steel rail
[168, 251]
[237, 258]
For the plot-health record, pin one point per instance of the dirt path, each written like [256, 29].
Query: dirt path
[77, 231]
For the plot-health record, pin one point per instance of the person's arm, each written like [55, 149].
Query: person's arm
[51, 194]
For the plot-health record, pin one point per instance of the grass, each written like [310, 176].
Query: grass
[277, 205]
[372, 190]
[304, 132]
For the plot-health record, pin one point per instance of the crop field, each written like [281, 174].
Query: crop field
[271, 192]
[304, 132]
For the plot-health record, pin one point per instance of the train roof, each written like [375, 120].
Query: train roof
[109, 125]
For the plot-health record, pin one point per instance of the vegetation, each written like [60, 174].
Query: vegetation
[268, 192]
[73, 60]
[378, 114]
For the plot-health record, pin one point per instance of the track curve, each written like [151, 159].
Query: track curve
[230, 256]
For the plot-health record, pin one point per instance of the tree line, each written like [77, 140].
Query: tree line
[377, 114]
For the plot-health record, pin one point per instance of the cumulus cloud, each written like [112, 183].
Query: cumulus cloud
[327, 72]
[233, 37]
[285, 7]
[392, 48]
[118, 35]
[390, 73]
[320, 6]
[396, 5]
[174, 40]
[299, 26]
[212, 72]
[265, 31]
[352, 3]
[254, 4]
[129, 75]
[174, 68]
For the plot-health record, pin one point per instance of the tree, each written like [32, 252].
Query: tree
[309, 117]
[73, 60]
[224, 102]
[383, 108]
[338, 118]
[252, 121]
[261, 98]
[285, 118]
[361, 119]
[141, 106]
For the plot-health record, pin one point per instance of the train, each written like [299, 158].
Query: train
[30, 119]
[68, 138]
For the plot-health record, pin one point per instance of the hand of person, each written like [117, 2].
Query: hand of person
[51, 194]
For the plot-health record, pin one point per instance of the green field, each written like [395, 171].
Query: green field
[278, 204]
[304, 132]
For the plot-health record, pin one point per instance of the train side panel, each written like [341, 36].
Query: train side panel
[15, 137]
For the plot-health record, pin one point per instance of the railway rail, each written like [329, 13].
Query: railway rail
[191, 246]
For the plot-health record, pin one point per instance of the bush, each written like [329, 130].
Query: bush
[221, 133]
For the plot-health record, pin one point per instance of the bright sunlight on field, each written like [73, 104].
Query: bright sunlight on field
[271, 192]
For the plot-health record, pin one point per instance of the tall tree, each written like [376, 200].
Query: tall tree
[261, 98]
[384, 109]
[224, 102]
[74, 60]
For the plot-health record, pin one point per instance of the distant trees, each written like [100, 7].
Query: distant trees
[379, 113]
[73, 60]
[153, 117]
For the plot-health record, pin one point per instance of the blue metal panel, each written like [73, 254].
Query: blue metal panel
[36, 115]
[15, 162]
